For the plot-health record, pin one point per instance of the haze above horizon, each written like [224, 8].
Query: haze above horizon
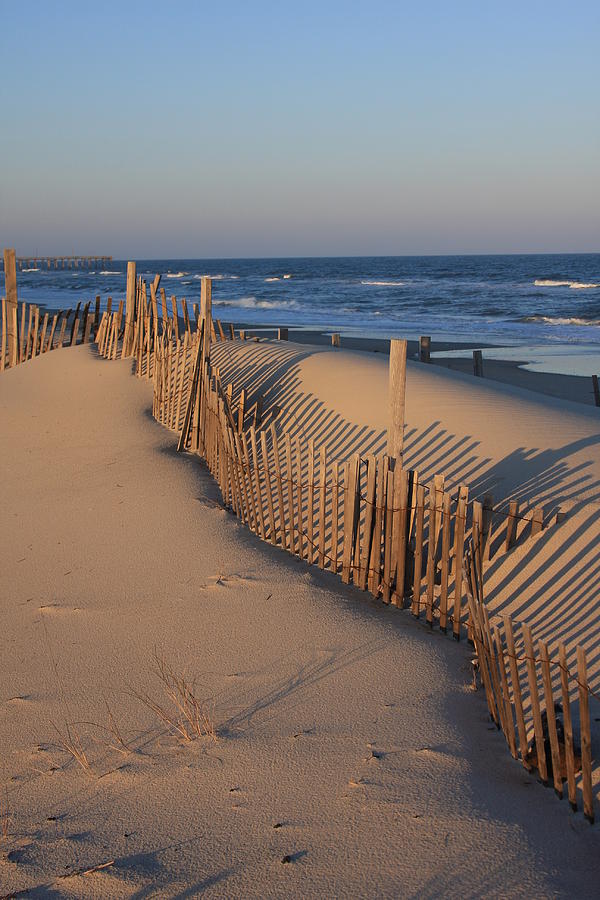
[337, 129]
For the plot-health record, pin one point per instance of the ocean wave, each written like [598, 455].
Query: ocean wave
[559, 320]
[272, 279]
[109, 272]
[30, 270]
[219, 277]
[177, 274]
[255, 303]
[384, 283]
[576, 285]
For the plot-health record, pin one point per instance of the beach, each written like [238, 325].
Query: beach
[348, 754]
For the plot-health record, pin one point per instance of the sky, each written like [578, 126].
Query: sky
[193, 129]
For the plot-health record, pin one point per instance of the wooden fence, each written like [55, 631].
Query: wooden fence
[367, 519]
[538, 716]
[33, 332]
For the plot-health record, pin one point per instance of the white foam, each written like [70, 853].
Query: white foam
[577, 285]
[383, 283]
[254, 303]
[287, 276]
[219, 277]
[272, 279]
[177, 274]
[109, 272]
[561, 320]
[30, 270]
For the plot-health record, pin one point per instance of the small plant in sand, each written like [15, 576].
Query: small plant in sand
[70, 741]
[186, 716]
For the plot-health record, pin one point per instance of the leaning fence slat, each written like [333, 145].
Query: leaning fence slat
[586, 737]
[322, 503]
[508, 709]
[289, 477]
[445, 573]
[258, 482]
[400, 532]
[418, 558]
[350, 517]
[535, 702]
[550, 717]
[335, 514]
[311, 501]
[567, 726]
[435, 503]
[516, 689]
[459, 543]
[388, 538]
[363, 573]
[283, 539]
[299, 494]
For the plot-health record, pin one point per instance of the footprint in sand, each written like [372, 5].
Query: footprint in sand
[55, 609]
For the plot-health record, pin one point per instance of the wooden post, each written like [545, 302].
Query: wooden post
[537, 520]
[206, 311]
[10, 283]
[511, 524]
[586, 737]
[335, 340]
[425, 348]
[596, 388]
[282, 334]
[397, 391]
[478, 363]
[129, 309]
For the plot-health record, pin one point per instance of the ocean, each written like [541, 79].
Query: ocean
[504, 300]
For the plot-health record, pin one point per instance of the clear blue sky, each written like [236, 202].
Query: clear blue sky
[263, 129]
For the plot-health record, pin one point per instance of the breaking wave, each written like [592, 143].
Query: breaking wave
[384, 283]
[109, 272]
[559, 320]
[254, 303]
[177, 274]
[551, 282]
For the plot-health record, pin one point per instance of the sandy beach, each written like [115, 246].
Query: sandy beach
[350, 755]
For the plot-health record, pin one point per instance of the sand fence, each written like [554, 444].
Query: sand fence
[367, 519]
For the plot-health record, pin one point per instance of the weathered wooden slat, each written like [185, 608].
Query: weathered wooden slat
[586, 736]
[322, 504]
[508, 709]
[375, 557]
[401, 490]
[283, 539]
[459, 544]
[268, 485]
[367, 538]
[289, 478]
[257, 482]
[436, 491]
[335, 513]
[535, 702]
[516, 689]
[388, 543]
[310, 533]
[350, 515]
[511, 524]
[418, 564]
[445, 572]
[550, 717]
[568, 727]
[299, 493]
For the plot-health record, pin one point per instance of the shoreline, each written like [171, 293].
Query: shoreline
[574, 388]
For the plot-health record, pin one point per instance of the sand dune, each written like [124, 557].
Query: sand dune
[352, 757]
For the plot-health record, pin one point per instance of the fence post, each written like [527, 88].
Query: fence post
[10, 284]
[397, 392]
[478, 363]
[206, 311]
[424, 348]
[129, 308]
[596, 387]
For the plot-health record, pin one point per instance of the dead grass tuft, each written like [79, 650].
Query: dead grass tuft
[70, 741]
[187, 717]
